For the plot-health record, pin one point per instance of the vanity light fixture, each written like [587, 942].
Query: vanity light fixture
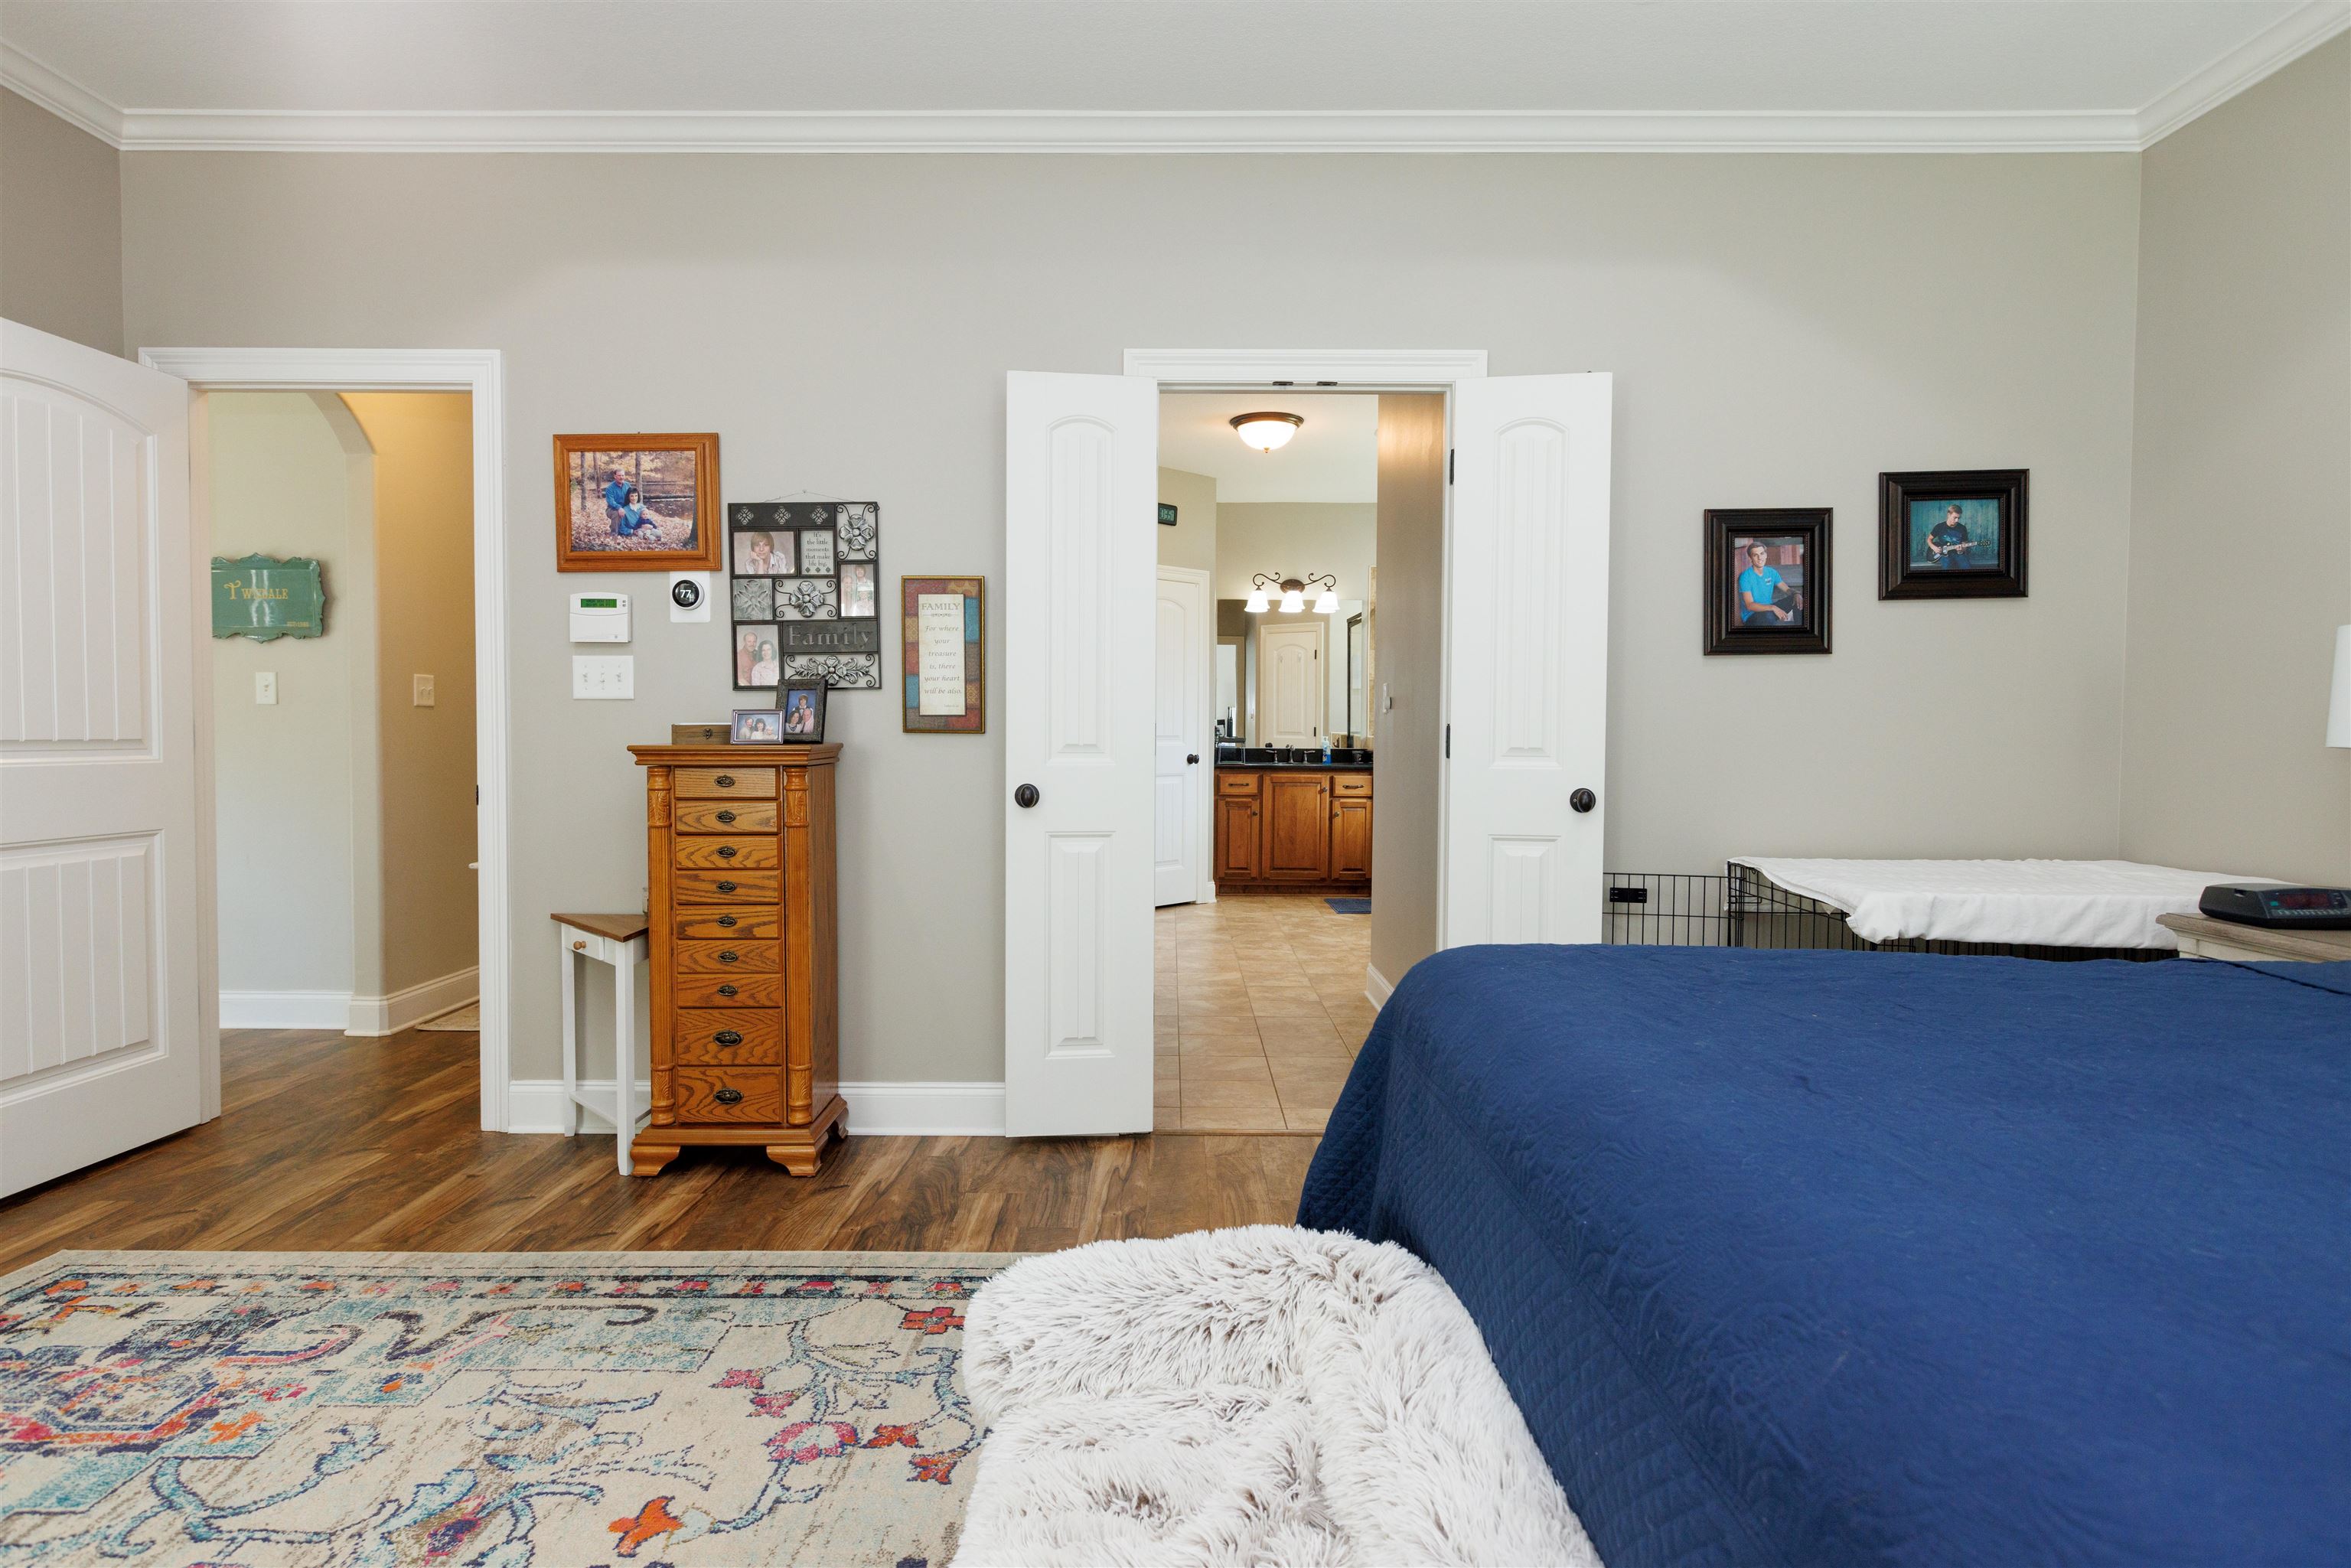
[1294, 594]
[1266, 431]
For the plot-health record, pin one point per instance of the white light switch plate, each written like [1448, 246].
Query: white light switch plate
[424, 690]
[609, 677]
[264, 687]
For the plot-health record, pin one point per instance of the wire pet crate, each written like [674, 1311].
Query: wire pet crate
[1744, 909]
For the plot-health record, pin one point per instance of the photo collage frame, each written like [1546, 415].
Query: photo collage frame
[804, 588]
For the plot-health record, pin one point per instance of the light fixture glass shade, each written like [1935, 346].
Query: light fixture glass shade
[1266, 431]
[2339, 706]
[1294, 601]
[1327, 602]
[1257, 604]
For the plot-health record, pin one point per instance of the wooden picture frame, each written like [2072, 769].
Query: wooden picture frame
[1794, 566]
[968, 642]
[599, 530]
[1913, 510]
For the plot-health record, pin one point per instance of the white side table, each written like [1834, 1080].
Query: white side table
[618, 940]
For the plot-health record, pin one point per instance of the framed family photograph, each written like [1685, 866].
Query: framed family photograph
[1957, 534]
[1766, 580]
[636, 503]
[757, 726]
[804, 580]
[803, 703]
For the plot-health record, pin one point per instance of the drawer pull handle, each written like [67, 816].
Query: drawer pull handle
[728, 1036]
[725, 816]
[725, 780]
[729, 956]
[729, 1096]
[726, 851]
[725, 990]
[725, 887]
[725, 920]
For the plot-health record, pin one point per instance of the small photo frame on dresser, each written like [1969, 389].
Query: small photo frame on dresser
[757, 726]
[804, 710]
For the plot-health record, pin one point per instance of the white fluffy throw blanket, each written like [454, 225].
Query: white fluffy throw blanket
[1265, 1395]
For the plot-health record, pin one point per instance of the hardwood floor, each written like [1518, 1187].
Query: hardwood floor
[335, 1145]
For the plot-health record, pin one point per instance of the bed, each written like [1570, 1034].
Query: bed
[2073, 906]
[1836, 1258]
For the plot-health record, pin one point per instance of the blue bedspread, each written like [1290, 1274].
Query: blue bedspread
[1855, 1258]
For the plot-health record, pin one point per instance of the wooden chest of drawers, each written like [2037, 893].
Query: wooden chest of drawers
[745, 1031]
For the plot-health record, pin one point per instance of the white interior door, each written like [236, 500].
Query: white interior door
[1081, 525]
[1179, 729]
[1293, 684]
[101, 1045]
[1527, 660]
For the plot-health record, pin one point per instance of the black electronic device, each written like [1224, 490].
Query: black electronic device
[2274, 904]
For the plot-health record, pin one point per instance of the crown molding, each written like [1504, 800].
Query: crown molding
[62, 96]
[1193, 132]
[2290, 37]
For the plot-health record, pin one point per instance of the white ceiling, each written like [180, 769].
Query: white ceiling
[1334, 457]
[1147, 75]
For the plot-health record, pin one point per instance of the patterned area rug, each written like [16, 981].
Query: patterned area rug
[501, 1409]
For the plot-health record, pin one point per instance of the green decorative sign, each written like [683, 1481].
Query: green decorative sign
[258, 597]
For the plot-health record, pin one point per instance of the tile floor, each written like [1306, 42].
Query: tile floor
[1260, 1007]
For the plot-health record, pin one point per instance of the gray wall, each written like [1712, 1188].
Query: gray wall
[2240, 534]
[1192, 542]
[1408, 661]
[290, 479]
[60, 226]
[1782, 329]
[423, 443]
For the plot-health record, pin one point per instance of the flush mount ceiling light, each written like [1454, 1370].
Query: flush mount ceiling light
[1266, 431]
[1294, 594]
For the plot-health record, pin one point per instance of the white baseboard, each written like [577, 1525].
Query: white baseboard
[404, 1009]
[284, 1010]
[1377, 989]
[876, 1110]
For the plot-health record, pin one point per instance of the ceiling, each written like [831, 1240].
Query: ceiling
[1334, 457]
[1146, 75]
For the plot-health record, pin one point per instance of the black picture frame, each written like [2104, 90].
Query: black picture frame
[1901, 574]
[1793, 537]
[806, 575]
[788, 700]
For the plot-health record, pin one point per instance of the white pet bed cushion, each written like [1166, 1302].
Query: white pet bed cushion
[1264, 1395]
[2056, 903]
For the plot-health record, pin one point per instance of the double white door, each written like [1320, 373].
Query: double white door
[1526, 673]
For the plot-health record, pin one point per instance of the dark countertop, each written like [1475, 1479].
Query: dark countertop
[1294, 768]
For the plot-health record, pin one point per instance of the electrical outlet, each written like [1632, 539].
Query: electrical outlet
[265, 688]
[605, 678]
[424, 690]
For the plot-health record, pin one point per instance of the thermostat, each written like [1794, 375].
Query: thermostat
[600, 617]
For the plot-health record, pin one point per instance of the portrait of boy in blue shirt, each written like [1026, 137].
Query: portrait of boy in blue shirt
[1760, 589]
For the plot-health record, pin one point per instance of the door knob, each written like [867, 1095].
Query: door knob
[1584, 799]
[1193, 761]
[1026, 796]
